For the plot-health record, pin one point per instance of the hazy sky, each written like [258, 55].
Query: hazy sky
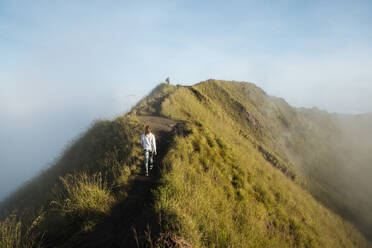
[65, 63]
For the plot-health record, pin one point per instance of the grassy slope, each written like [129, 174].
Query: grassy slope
[73, 195]
[331, 151]
[220, 191]
[227, 179]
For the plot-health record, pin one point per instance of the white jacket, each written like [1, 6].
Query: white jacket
[148, 142]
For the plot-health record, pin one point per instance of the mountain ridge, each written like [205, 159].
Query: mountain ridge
[231, 176]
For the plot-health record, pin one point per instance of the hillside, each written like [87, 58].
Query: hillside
[236, 168]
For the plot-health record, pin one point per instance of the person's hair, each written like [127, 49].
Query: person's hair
[147, 129]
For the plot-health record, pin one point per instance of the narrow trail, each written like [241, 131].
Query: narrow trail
[136, 211]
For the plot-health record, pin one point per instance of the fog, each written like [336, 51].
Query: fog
[33, 136]
[345, 169]
[64, 64]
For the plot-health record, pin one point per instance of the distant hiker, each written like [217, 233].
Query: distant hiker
[149, 148]
[167, 80]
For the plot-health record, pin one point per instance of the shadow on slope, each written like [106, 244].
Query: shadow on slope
[133, 221]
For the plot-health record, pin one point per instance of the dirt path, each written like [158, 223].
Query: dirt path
[136, 211]
[163, 129]
[158, 124]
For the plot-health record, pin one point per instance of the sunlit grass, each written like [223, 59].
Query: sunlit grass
[15, 234]
[222, 192]
[85, 196]
[227, 179]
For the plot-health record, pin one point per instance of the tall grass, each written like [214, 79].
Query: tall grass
[85, 196]
[15, 234]
[10, 233]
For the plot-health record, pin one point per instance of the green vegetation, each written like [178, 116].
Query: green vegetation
[85, 196]
[10, 233]
[13, 235]
[235, 199]
[221, 191]
[243, 169]
[77, 192]
[328, 153]
[151, 103]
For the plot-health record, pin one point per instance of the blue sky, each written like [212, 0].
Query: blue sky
[65, 63]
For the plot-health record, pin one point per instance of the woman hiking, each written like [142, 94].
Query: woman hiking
[149, 148]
